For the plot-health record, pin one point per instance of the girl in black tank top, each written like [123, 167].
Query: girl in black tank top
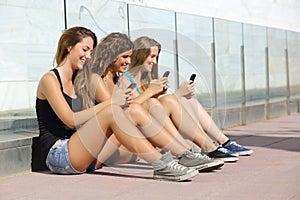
[50, 126]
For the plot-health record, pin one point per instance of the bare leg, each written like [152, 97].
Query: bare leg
[113, 152]
[157, 111]
[86, 143]
[186, 124]
[201, 116]
[153, 130]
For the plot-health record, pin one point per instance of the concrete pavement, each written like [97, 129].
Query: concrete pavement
[272, 172]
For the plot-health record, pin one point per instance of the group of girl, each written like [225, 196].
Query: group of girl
[105, 103]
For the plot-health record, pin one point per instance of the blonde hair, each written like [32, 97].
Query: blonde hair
[141, 51]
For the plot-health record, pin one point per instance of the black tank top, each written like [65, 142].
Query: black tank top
[51, 128]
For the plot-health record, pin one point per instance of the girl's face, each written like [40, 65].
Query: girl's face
[79, 53]
[122, 62]
[151, 59]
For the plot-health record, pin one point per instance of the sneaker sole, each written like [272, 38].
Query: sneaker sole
[216, 164]
[176, 178]
[230, 159]
[245, 153]
[199, 167]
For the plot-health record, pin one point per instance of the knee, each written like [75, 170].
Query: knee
[153, 102]
[110, 111]
[136, 109]
[169, 100]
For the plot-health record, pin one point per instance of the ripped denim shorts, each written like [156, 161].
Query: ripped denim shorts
[58, 159]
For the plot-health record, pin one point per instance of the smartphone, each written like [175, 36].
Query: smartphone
[166, 74]
[193, 76]
[132, 86]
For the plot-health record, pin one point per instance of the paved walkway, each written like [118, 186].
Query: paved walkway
[272, 172]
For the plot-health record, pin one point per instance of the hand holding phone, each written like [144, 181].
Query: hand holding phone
[192, 78]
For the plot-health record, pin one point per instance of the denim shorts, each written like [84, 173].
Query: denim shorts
[58, 159]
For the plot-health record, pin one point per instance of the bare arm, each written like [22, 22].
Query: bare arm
[101, 92]
[49, 88]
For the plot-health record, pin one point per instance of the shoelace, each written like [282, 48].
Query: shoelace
[222, 150]
[190, 154]
[201, 156]
[236, 144]
[175, 166]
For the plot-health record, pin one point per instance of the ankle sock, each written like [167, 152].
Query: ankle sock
[223, 145]
[182, 153]
[214, 151]
[162, 163]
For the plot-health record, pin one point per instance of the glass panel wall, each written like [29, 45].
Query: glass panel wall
[28, 43]
[293, 40]
[195, 40]
[159, 25]
[30, 31]
[102, 17]
[277, 63]
[228, 42]
[255, 43]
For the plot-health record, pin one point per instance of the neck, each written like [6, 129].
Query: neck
[66, 71]
[136, 75]
[110, 76]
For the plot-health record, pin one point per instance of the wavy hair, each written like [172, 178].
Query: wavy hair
[102, 57]
[141, 51]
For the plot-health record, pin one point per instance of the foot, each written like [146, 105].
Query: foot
[189, 159]
[239, 149]
[223, 154]
[168, 169]
[212, 164]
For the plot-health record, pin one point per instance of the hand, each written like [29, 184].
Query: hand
[186, 89]
[159, 86]
[121, 97]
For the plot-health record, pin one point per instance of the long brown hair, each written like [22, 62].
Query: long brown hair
[70, 38]
[103, 56]
[141, 51]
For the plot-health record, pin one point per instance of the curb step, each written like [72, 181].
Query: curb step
[16, 151]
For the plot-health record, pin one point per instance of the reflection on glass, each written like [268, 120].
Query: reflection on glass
[277, 64]
[255, 43]
[228, 42]
[160, 25]
[103, 17]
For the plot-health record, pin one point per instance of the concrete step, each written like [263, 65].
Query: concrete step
[16, 151]
[18, 119]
